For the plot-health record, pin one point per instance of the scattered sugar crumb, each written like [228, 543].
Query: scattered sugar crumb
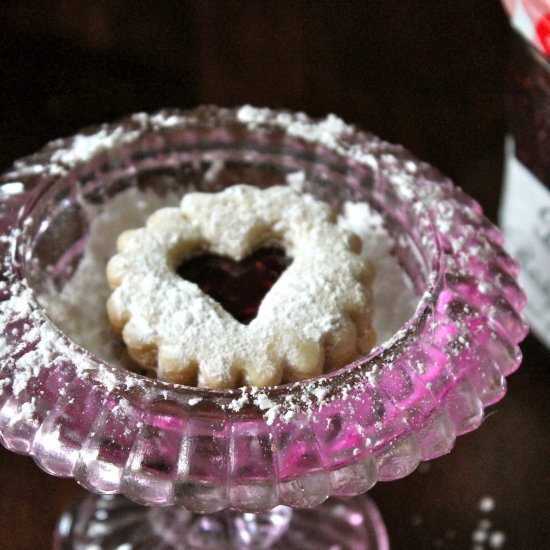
[296, 180]
[214, 170]
[28, 408]
[289, 416]
[487, 504]
[266, 404]
[480, 536]
[497, 539]
[320, 393]
[237, 404]
[124, 406]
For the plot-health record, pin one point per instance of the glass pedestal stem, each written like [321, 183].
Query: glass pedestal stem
[116, 523]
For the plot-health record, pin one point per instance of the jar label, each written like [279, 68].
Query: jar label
[532, 19]
[525, 221]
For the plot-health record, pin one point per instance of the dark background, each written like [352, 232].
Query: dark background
[429, 74]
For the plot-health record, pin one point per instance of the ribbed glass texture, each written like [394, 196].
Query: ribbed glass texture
[161, 444]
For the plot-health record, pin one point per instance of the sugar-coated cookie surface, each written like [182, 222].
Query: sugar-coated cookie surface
[315, 318]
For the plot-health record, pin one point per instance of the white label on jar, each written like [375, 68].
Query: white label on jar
[525, 221]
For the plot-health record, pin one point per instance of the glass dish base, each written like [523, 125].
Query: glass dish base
[114, 522]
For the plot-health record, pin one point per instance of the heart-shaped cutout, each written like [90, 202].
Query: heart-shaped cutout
[239, 287]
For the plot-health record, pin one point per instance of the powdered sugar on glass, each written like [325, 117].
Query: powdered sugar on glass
[372, 420]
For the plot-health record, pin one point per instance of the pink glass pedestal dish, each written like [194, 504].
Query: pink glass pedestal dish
[180, 450]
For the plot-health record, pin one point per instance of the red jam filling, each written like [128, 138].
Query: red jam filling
[241, 286]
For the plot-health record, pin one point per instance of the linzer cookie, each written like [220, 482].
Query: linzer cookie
[316, 317]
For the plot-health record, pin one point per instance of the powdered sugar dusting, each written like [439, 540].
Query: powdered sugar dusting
[328, 131]
[317, 314]
[393, 295]
[79, 308]
[331, 132]
[83, 147]
[345, 416]
[296, 181]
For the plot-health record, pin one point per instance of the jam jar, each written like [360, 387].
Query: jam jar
[525, 205]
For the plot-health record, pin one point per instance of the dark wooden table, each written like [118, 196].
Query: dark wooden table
[428, 74]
